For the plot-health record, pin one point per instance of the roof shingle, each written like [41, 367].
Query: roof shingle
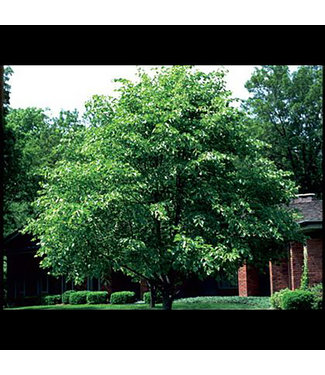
[311, 210]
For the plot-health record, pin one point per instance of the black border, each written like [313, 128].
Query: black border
[162, 45]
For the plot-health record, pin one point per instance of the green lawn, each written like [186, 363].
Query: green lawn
[198, 303]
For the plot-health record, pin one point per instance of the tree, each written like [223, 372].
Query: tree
[170, 184]
[7, 72]
[5, 88]
[287, 108]
[30, 141]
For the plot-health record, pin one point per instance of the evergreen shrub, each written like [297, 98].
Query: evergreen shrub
[124, 297]
[94, 298]
[78, 298]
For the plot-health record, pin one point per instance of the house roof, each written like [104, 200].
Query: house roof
[310, 208]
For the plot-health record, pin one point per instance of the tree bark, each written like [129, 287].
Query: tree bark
[167, 297]
[152, 296]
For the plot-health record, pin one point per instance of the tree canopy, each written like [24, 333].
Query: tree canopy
[287, 110]
[30, 140]
[168, 182]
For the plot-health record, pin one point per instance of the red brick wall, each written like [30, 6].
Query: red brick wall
[296, 263]
[242, 281]
[315, 260]
[279, 275]
[288, 275]
[248, 284]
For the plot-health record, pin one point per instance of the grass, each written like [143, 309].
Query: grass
[197, 303]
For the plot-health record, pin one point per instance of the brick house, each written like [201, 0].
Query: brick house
[287, 273]
[26, 278]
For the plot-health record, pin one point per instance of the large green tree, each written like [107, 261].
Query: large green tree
[287, 111]
[169, 184]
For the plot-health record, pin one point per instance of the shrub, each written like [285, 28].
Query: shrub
[276, 298]
[317, 291]
[97, 297]
[66, 296]
[147, 297]
[298, 299]
[53, 299]
[78, 298]
[119, 298]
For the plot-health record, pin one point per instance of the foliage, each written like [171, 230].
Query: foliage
[51, 299]
[297, 300]
[262, 302]
[31, 141]
[169, 184]
[97, 297]
[287, 112]
[7, 72]
[147, 297]
[119, 298]
[317, 291]
[66, 296]
[304, 283]
[78, 298]
[276, 298]
[6, 90]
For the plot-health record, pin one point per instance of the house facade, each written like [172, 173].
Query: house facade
[25, 277]
[287, 272]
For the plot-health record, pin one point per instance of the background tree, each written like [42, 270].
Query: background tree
[287, 109]
[5, 88]
[30, 142]
[7, 72]
[171, 184]
[31, 138]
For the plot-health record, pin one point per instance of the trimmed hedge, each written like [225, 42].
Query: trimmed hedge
[66, 296]
[94, 298]
[51, 299]
[147, 297]
[120, 298]
[78, 298]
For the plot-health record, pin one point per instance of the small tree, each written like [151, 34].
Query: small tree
[169, 184]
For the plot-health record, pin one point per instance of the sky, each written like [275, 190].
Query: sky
[68, 87]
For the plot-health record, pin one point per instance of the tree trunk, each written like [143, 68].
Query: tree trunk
[167, 297]
[152, 297]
